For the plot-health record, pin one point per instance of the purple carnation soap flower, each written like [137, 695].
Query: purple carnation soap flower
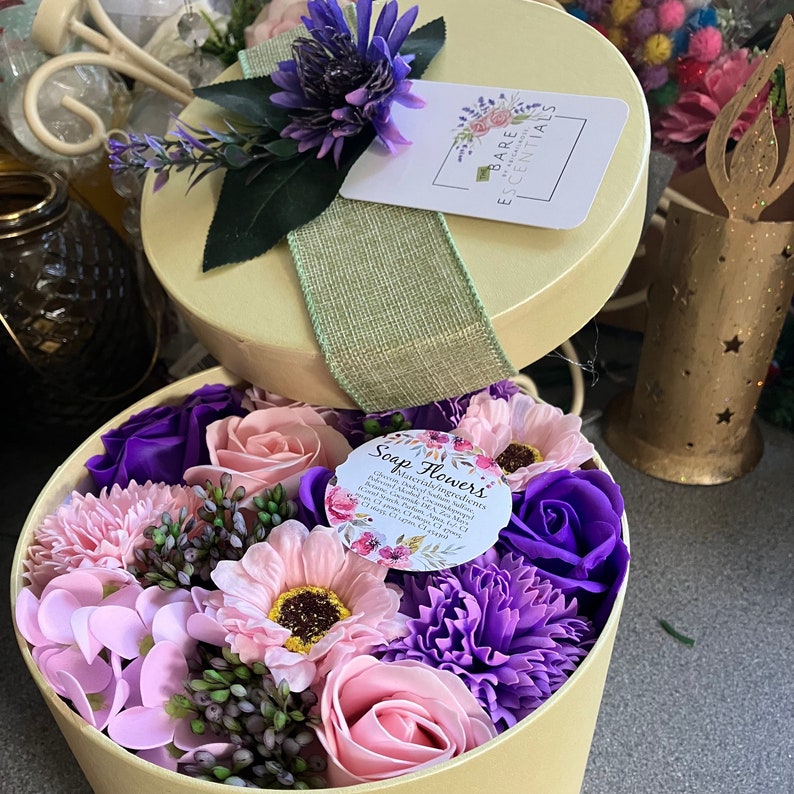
[337, 86]
[159, 444]
[568, 525]
[507, 633]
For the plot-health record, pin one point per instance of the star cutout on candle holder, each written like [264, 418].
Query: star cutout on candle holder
[732, 345]
[725, 417]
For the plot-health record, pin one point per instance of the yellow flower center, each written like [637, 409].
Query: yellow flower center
[517, 455]
[309, 612]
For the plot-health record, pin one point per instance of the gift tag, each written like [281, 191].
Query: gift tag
[528, 157]
[418, 500]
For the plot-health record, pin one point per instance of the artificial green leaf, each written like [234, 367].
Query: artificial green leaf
[252, 217]
[424, 44]
[283, 147]
[245, 98]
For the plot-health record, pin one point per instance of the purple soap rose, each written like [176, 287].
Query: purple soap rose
[567, 524]
[311, 497]
[161, 443]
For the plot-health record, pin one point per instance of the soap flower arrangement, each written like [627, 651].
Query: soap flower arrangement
[195, 604]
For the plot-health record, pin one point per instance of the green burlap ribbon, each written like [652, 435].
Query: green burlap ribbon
[392, 304]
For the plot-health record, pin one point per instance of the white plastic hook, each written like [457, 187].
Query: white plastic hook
[55, 24]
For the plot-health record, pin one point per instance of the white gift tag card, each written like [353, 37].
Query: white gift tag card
[418, 500]
[528, 157]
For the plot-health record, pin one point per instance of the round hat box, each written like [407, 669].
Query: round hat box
[545, 753]
[537, 285]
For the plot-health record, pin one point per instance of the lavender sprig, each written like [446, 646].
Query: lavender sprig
[201, 151]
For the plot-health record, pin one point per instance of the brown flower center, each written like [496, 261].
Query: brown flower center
[517, 455]
[309, 612]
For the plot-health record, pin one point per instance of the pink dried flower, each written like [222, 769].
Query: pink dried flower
[102, 531]
[690, 118]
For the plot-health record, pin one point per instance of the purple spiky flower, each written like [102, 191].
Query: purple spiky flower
[337, 86]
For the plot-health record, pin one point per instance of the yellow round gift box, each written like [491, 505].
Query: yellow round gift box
[538, 286]
[545, 753]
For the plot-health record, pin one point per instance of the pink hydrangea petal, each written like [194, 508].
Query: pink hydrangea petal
[141, 728]
[163, 670]
[55, 613]
[170, 623]
[114, 696]
[88, 644]
[26, 613]
[206, 629]
[93, 677]
[152, 599]
[119, 629]
[184, 738]
[159, 756]
[125, 597]
[132, 675]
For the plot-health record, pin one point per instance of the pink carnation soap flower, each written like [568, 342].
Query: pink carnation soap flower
[268, 447]
[302, 604]
[379, 719]
[102, 530]
[525, 437]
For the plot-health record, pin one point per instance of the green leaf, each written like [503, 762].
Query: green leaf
[682, 638]
[283, 147]
[251, 218]
[424, 44]
[249, 99]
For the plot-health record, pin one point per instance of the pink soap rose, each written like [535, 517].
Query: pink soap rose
[384, 719]
[269, 446]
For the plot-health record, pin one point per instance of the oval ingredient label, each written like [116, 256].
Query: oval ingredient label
[418, 500]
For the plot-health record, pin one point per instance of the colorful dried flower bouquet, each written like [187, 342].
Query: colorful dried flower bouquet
[196, 604]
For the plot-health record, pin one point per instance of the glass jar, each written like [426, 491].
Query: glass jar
[75, 340]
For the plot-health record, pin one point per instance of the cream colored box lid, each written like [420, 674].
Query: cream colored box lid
[539, 286]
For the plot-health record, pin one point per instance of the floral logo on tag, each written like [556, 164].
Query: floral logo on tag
[478, 119]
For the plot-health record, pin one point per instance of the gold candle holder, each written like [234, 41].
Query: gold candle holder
[716, 309]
